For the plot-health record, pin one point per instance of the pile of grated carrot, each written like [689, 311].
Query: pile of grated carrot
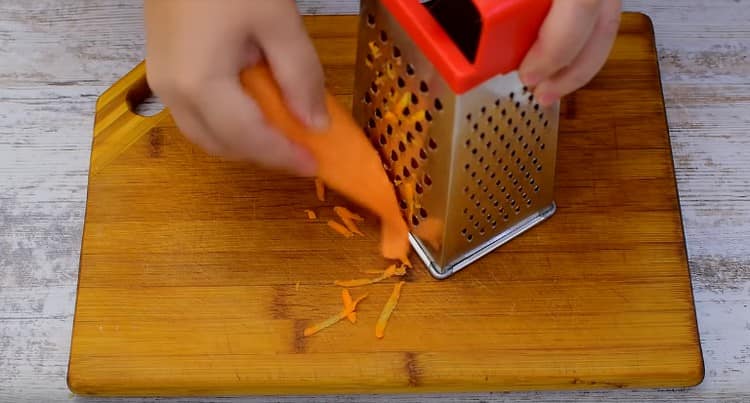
[348, 228]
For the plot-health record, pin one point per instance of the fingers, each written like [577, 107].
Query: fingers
[226, 109]
[562, 36]
[588, 62]
[295, 66]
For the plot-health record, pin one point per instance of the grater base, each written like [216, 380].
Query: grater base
[462, 262]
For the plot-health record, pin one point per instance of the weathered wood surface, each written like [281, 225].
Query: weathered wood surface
[57, 57]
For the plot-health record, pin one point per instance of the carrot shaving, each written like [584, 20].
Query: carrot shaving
[388, 309]
[348, 218]
[311, 214]
[348, 309]
[348, 305]
[320, 189]
[391, 271]
[340, 229]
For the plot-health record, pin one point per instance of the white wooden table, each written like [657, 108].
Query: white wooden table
[56, 57]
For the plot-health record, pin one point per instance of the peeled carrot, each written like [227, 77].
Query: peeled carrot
[340, 229]
[320, 190]
[311, 214]
[347, 162]
[388, 310]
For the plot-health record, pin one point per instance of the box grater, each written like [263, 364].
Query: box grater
[469, 151]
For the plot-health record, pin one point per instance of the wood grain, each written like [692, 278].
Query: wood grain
[58, 56]
[555, 309]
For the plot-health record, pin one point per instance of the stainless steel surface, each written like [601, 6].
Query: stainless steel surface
[472, 170]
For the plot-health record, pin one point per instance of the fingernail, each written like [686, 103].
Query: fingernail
[548, 99]
[320, 121]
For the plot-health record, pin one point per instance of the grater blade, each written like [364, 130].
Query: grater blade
[472, 170]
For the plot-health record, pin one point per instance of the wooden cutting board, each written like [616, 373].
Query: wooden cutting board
[198, 276]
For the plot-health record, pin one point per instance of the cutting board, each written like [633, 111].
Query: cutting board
[197, 275]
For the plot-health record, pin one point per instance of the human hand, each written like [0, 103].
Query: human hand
[195, 50]
[573, 45]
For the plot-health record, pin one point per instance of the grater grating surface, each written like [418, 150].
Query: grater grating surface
[471, 170]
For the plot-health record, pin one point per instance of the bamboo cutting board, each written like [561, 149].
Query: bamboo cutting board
[198, 275]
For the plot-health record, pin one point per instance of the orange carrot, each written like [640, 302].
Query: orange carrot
[320, 190]
[309, 331]
[345, 157]
[388, 310]
[311, 214]
[340, 229]
[348, 218]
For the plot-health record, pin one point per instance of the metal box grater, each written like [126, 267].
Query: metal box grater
[471, 154]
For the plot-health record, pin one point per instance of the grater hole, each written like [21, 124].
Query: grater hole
[497, 102]
[538, 139]
[496, 203]
[394, 156]
[378, 113]
[406, 111]
[371, 123]
[474, 151]
[512, 95]
[472, 196]
[502, 137]
[389, 129]
[414, 220]
[481, 159]
[427, 180]
[541, 147]
[464, 231]
[484, 110]
[469, 237]
[418, 188]
[476, 224]
[523, 114]
[494, 224]
[383, 36]
[482, 135]
[383, 140]
[370, 20]
[368, 98]
[423, 86]
[428, 116]
[475, 127]
[409, 137]
[496, 129]
[525, 89]
[474, 174]
[414, 99]
[438, 104]
[414, 163]
[418, 127]
[527, 175]
[374, 88]
[525, 146]
[432, 144]
[422, 154]
[402, 203]
[515, 130]
[396, 52]
[471, 217]
[503, 112]
[531, 98]
[401, 83]
[370, 58]
[423, 213]
[528, 122]
[536, 107]
[466, 210]
[541, 115]
[536, 188]
[488, 145]
[401, 146]
[539, 168]
[518, 105]
[481, 231]
[510, 121]
[468, 117]
[489, 119]
[410, 69]
[506, 217]
[546, 123]
[520, 189]
[467, 166]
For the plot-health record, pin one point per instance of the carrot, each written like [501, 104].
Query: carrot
[346, 159]
[391, 271]
[340, 229]
[348, 218]
[320, 190]
[388, 310]
[309, 331]
[348, 305]
[311, 214]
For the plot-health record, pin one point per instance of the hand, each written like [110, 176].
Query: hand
[573, 45]
[195, 50]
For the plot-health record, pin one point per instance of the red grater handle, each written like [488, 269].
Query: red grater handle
[509, 28]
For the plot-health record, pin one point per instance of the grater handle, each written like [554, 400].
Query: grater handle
[506, 31]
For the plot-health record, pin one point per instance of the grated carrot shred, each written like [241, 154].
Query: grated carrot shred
[348, 218]
[388, 309]
[309, 331]
[392, 270]
[320, 190]
[311, 214]
[338, 227]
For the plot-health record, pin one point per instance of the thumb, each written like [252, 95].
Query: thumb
[297, 69]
